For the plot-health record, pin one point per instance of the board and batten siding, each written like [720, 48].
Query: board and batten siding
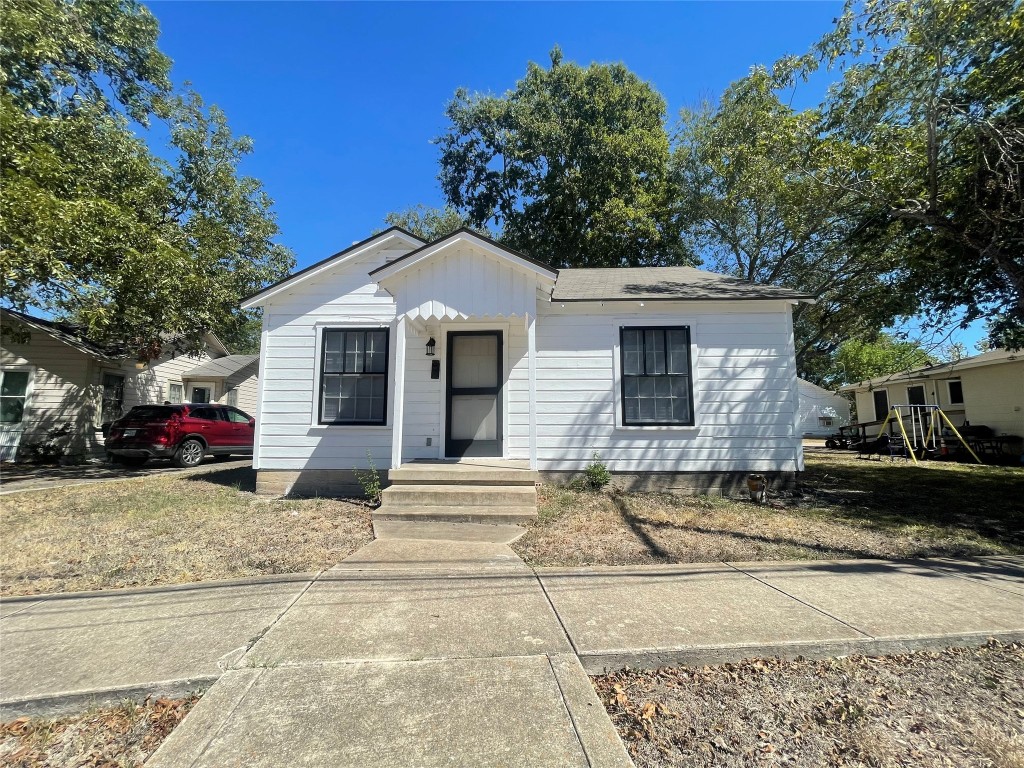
[288, 435]
[745, 390]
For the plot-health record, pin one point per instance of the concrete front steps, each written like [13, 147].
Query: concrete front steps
[485, 491]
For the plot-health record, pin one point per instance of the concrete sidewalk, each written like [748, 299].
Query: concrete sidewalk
[425, 652]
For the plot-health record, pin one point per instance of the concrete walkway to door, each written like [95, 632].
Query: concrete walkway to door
[449, 650]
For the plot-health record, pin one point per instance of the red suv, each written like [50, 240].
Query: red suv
[184, 433]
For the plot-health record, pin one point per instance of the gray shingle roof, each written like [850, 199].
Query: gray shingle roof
[222, 367]
[661, 283]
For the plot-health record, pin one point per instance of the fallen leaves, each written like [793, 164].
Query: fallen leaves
[948, 709]
[111, 737]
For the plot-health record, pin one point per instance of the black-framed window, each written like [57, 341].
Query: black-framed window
[354, 376]
[657, 377]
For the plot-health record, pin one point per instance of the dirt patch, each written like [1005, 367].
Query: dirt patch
[168, 530]
[116, 736]
[959, 707]
[844, 509]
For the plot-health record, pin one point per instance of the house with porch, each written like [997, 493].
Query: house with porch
[462, 362]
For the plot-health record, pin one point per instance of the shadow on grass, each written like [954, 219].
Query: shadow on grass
[987, 501]
[242, 478]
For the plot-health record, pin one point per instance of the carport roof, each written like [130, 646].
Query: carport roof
[222, 367]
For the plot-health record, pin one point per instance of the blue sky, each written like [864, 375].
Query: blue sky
[343, 99]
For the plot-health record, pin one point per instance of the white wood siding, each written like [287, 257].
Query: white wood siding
[288, 434]
[744, 390]
[816, 403]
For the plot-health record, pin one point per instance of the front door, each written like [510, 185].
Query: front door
[473, 421]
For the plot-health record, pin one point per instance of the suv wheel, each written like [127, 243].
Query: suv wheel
[190, 453]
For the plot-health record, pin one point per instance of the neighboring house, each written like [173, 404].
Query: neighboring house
[984, 390]
[59, 387]
[822, 412]
[395, 350]
[230, 380]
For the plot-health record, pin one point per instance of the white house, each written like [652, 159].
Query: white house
[983, 390]
[822, 412]
[400, 351]
[56, 386]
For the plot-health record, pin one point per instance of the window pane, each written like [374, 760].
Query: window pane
[647, 409]
[631, 353]
[654, 348]
[631, 386]
[364, 386]
[176, 393]
[681, 409]
[647, 386]
[332, 340]
[377, 409]
[14, 383]
[330, 408]
[354, 352]
[12, 410]
[347, 410]
[678, 351]
[631, 409]
[332, 386]
[376, 356]
[956, 392]
[663, 409]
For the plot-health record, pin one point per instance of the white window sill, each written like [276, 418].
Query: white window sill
[361, 427]
[656, 428]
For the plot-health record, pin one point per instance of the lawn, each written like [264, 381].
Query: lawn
[844, 508]
[168, 529]
[959, 707]
[123, 736]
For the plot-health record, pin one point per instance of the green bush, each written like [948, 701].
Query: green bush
[370, 480]
[595, 477]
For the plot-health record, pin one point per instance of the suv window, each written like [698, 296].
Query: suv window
[237, 416]
[207, 414]
[151, 412]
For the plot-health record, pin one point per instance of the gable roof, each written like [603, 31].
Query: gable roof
[951, 368]
[64, 332]
[353, 251]
[662, 284]
[221, 367]
[75, 337]
[464, 233]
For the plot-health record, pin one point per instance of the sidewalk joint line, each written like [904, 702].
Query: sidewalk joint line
[797, 599]
[568, 710]
[32, 604]
[554, 610]
[227, 717]
[274, 623]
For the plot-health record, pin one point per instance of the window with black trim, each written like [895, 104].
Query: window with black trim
[354, 376]
[657, 379]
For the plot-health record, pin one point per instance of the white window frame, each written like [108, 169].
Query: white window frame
[618, 323]
[176, 384]
[949, 395]
[29, 387]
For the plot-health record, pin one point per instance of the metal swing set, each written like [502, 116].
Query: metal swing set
[925, 428]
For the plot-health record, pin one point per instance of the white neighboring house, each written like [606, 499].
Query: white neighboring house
[983, 390]
[395, 351]
[822, 412]
[59, 387]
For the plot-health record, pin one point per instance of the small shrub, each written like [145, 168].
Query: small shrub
[49, 450]
[595, 477]
[370, 480]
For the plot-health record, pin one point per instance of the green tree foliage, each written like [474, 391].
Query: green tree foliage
[94, 227]
[430, 223]
[932, 95]
[571, 166]
[859, 360]
[758, 199]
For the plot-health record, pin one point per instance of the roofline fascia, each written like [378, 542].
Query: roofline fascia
[534, 264]
[790, 299]
[256, 299]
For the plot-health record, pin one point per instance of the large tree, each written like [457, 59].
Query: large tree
[96, 228]
[862, 359]
[571, 166]
[932, 94]
[757, 190]
[430, 223]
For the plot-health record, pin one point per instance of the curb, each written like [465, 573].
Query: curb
[602, 662]
[79, 701]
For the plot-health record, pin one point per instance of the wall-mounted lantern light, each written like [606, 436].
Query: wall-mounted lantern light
[431, 344]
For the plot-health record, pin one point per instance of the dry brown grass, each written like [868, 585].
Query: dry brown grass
[125, 736]
[844, 508]
[167, 530]
[960, 707]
